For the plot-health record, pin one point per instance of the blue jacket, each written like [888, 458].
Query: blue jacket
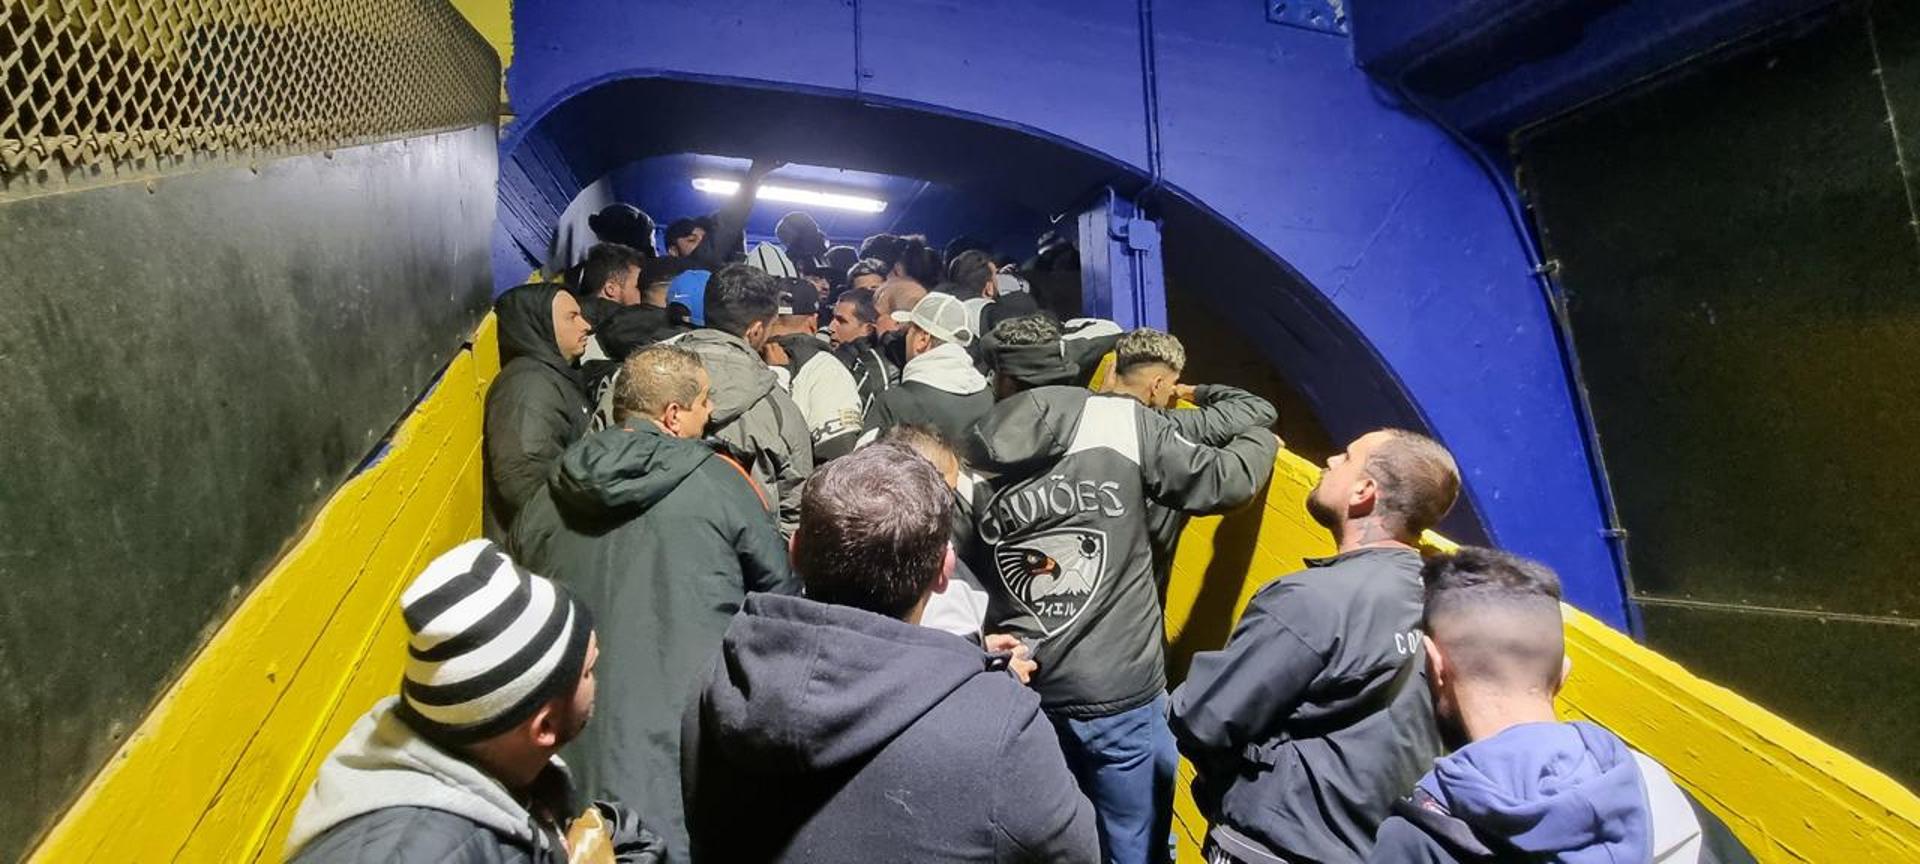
[1563, 792]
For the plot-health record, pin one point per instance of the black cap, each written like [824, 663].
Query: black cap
[798, 297]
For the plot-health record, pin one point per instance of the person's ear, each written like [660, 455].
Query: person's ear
[672, 417]
[543, 729]
[1566, 670]
[793, 551]
[1436, 663]
[1365, 494]
[946, 572]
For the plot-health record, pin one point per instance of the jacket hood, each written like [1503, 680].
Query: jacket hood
[1028, 427]
[635, 327]
[803, 686]
[524, 317]
[383, 763]
[947, 367]
[801, 348]
[739, 377]
[1567, 790]
[625, 469]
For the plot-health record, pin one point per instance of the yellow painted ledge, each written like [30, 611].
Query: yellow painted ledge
[217, 768]
[1787, 795]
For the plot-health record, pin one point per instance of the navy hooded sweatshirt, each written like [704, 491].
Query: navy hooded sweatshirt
[831, 734]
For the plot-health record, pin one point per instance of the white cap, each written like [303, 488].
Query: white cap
[769, 259]
[1007, 283]
[943, 316]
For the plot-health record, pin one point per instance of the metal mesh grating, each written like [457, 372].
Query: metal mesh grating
[103, 90]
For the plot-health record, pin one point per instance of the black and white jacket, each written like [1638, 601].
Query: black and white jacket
[1064, 543]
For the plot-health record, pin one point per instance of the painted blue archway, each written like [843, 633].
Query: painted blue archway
[1410, 295]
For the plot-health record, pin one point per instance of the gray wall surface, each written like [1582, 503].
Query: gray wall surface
[191, 365]
[1737, 244]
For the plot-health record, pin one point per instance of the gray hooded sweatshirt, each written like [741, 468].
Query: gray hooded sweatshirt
[756, 420]
[385, 794]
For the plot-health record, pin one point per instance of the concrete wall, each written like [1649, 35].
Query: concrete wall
[193, 363]
[218, 768]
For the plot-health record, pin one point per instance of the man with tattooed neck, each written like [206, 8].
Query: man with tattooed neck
[1314, 718]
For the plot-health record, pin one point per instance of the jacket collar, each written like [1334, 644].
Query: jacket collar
[1381, 552]
[947, 367]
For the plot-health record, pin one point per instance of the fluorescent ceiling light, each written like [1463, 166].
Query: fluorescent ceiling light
[790, 195]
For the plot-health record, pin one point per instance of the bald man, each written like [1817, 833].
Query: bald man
[897, 294]
[1313, 719]
[1522, 785]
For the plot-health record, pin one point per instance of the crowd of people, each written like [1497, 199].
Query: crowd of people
[860, 555]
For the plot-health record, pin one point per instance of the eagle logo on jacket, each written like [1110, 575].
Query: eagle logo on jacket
[1055, 574]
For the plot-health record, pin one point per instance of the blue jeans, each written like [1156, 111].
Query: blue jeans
[1125, 764]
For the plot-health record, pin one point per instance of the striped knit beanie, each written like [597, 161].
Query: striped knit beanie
[491, 643]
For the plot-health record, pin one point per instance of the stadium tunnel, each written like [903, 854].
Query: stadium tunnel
[1330, 202]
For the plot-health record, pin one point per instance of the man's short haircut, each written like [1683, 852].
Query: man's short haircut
[919, 261]
[1037, 329]
[874, 526]
[863, 309]
[867, 267]
[606, 262]
[682, 227]
[971, 271]
[739, 295]
[1146, 346]
[653, 378]
[902, 294]
[966, 243]
[1417, 479]
[926, 441]
[657, 273]
[884, 248]
[1496, 618]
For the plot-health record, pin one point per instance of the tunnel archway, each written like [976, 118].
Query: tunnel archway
[1217, 270]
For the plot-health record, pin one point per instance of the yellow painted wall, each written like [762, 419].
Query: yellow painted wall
[494, 21]
[1787, 795]
[217, 769]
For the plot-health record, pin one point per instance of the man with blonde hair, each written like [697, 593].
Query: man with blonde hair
[1315, 717]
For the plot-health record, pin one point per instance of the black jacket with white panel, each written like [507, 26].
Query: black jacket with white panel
[1064, 545]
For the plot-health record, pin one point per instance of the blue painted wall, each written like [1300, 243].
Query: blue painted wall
[1404, 241]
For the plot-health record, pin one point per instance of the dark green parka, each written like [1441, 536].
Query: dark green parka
[663, 538]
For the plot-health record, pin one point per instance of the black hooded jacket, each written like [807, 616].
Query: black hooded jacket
[662, 538]
[1064, 540]
[632, 328]
[828, 734]
[872, 372]
[536, 408]
[597, 310]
